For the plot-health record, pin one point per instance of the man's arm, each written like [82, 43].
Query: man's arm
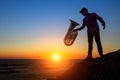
[101, 20]
[82, 27]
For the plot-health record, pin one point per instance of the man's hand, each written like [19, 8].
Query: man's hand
[103, 27]
[103, 24]
[75, 30]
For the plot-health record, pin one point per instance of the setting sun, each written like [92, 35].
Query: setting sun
[56, 56]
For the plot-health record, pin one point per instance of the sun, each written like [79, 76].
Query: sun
[56, 57]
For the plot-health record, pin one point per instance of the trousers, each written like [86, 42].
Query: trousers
[95, 35]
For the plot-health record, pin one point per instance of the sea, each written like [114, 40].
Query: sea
[33, 69]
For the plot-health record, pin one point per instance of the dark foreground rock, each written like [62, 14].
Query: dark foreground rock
[105, 68]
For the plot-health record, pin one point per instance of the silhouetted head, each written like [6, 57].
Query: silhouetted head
[84, 11]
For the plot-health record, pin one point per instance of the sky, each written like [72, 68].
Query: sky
[36, 28]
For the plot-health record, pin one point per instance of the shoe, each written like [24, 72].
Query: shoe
[89, 58]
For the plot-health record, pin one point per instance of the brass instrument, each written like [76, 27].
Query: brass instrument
[70, 35]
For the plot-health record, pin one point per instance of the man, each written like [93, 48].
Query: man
[90, 20]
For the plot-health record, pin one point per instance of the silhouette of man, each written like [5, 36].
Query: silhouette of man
[90, 20]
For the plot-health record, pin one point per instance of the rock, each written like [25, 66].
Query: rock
[104, 68]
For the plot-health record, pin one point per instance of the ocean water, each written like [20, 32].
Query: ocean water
[33, 69]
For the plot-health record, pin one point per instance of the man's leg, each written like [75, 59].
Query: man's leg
[90, 44]
[99, 45]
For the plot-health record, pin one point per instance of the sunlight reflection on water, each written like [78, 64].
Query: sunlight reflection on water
[53, 69]
[33, 69]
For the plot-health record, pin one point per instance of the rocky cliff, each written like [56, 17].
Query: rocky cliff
[104, 68]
